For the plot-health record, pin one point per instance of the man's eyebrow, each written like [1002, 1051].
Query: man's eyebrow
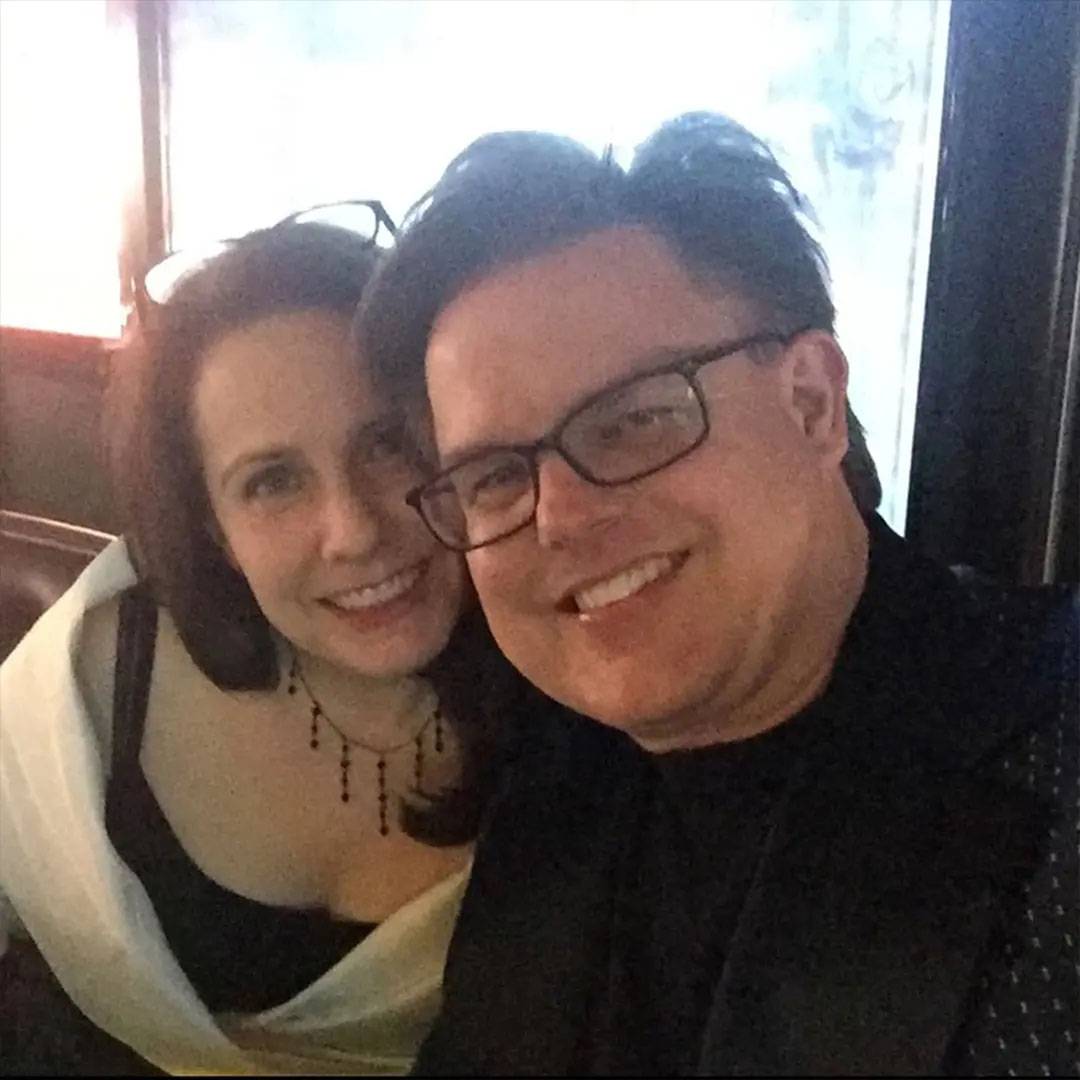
[659, 357]
[474, 450]
[670, 354]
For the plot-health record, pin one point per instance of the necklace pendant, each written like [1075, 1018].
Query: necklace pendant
[297, 682]
[418, 761]
[384, 827]
[345, 763]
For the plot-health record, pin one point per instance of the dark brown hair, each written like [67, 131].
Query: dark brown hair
[703, 183]
[165, 509]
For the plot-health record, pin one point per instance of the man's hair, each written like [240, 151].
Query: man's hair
[710, 189]
[165, 509]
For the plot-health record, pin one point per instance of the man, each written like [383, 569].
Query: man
[822, 817]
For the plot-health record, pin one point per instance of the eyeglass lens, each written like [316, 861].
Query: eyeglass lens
[630, 432]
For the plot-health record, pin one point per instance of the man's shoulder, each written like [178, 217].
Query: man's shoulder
[1030, 676]
[1027, 609]
[960, 670]
[983, 704]
[996, 664]
[1019, 1010]
[1020, 649]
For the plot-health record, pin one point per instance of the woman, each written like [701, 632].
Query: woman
[240, 784]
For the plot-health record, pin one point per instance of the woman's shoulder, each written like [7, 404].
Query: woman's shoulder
[99, 584]
[152, 649]
[95, 664]
[47, 669]
[75, 643]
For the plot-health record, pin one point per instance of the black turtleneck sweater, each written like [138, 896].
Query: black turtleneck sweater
[628, 904]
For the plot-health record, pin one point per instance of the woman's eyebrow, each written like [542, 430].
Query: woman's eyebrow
[383, 424]
[265, 454]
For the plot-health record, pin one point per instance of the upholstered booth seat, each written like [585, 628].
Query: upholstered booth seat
[39, 559]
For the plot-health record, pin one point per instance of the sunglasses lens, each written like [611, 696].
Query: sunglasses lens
[356, 217]
[162, 280]
[367, 220]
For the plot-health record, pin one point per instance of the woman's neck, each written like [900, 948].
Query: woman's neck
[379, 711]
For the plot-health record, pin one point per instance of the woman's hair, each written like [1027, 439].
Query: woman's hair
[155, 466]
[712, 190]
[165, 511]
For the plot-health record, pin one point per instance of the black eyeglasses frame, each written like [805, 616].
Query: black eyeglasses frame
[688, 367]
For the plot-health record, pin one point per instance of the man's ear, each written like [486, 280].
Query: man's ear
[814, 375]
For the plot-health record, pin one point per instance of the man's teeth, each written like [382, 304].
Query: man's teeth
[624, 584]
[385, 591]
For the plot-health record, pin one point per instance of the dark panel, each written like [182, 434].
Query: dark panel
[39, 559]
[51, 464]
[1002, 276]
[1065, 554]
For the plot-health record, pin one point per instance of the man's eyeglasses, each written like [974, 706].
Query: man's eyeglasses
[365, 217]
[625, 432]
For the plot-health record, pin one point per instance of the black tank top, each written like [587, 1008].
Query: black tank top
[239, 954]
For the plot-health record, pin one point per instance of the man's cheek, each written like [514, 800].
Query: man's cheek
[497, 584]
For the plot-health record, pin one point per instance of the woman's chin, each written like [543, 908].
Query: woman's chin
[387, 656]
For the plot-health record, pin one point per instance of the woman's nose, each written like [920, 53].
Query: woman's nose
[351, 525]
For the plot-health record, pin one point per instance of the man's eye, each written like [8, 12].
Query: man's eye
[273, 482]
[507, 477]
[636, 422]
[495, 479]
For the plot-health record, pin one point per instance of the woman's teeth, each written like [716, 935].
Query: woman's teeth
[624, 584]
[373, 595]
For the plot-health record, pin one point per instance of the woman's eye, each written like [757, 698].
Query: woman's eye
[273, 482]
[388, 446]
[384, 447]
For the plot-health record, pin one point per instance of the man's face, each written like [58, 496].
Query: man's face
[734, 556]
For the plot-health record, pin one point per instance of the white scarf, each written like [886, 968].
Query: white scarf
[61, 878]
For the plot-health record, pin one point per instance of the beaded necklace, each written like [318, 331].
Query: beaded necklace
[349, 743]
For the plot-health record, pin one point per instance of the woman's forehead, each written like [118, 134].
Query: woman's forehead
[290, 377]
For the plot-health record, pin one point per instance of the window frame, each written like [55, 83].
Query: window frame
[145, 212]
[996, 415]
[994, 460]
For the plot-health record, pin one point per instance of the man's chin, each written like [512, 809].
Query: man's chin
[642, 714]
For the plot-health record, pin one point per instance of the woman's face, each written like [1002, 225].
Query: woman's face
[307, 477]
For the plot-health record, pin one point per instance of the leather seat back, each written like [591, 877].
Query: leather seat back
[39, 559]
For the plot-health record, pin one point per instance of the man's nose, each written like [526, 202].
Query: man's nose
[351, 524]
[568, 507]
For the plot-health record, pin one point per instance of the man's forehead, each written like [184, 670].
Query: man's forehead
[622, 266]
[514, 351]
[620, 288]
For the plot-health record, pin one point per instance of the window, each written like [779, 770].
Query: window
[282, 104]
[279, 104]
[65, 164]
